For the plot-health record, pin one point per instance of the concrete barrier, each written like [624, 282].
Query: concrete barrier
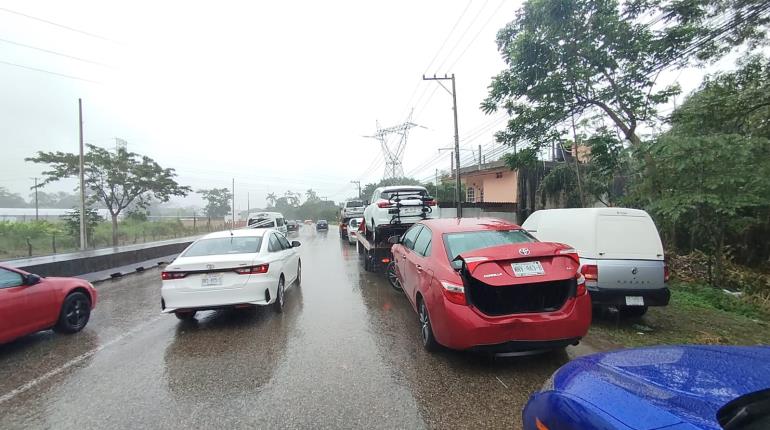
[97, 260]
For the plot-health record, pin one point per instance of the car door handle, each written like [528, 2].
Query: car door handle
[419, 268]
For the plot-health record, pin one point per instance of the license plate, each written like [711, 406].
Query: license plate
[212, 279]
[634, 301]
[530, 268]
[411, 211]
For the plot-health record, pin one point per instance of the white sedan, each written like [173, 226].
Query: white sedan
[231, 269]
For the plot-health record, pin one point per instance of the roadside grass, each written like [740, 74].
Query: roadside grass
[697, 314]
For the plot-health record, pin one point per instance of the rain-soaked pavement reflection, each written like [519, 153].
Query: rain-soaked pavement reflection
[345, 353]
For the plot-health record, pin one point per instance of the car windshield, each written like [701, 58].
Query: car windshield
[458, 243]
[224, 245]
[354, 204]
[321, 221]
[261, 222]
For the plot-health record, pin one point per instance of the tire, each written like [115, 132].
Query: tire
[374, 232]
[368, 262]
[279, 296]
[633, 311]
[185, 315]
[75, 313]
[298, 281]
[426, 329]
[392, 275]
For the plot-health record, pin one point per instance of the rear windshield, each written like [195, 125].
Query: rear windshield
[261, 222]
[321, 221]
[224, 245]
[354, 204]
[458, 243]
[407, 192]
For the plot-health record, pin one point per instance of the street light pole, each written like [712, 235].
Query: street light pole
[453, 92]
[83, 237]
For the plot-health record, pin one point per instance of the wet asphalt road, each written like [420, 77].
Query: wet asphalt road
[344, 354]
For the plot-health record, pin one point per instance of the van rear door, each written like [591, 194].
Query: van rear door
[629, 251]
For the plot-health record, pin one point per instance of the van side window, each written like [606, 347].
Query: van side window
[274, 244]
[280, 221]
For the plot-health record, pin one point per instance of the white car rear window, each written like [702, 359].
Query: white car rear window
[224, 245]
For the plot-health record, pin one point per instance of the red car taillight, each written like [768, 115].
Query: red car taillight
[454, 293]
[571, 253]
[383, 204]
[167, 276]
[252, 270]
[581, 285]
[666, 273]
[430, 202]
[590, 271]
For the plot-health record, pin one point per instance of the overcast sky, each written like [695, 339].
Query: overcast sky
[277, 95]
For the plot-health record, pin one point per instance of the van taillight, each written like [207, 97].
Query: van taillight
[430, 202]
[590, 272]
[454, 293]
[666, 273]
[167, 276]
[383, 204]
[261, 268]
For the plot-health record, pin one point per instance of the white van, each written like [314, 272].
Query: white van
[621, 255]
[267, 220]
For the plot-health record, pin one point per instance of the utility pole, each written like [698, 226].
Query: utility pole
[248, 203]
[83, 237]
[233, 203]
[359, 187]
[36, 207]
[435, 196]
[479, 157]
[453, 92]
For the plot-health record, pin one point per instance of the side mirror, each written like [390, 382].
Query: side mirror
[31, 279]
[394, 239]
[295, 244]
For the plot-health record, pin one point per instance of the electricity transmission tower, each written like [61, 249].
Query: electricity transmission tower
[393, 149]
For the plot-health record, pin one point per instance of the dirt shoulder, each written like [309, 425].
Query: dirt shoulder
[696, 315]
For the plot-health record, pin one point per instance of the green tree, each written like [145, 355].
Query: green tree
[11, 200]
[71, 221]
[116, 179]
[567, 58]
[217, 201]
[271, 198]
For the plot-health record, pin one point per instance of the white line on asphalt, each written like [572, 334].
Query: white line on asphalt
[10, 395]
[498, 380]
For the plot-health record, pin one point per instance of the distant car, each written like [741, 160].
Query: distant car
[401, 204]
[309, 221]
[353, 229]
[485, 284]
[292, 225]
[231, 269]
[267, 220]
[621, 254]
[30, 303]
[665, 387]
[353, 208]
[322, 225]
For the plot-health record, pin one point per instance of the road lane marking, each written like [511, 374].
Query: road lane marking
[80, 358]
[498, 380]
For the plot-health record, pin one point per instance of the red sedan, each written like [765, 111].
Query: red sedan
[485, 284]
[30, 303]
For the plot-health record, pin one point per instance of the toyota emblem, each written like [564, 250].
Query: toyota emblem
[524, 251]
[634, 271]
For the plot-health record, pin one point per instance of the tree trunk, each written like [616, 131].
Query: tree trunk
[114, 229]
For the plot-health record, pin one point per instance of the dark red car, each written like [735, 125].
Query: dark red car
[485, 284]
[30, 303]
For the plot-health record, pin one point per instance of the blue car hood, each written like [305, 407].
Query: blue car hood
[679, 386]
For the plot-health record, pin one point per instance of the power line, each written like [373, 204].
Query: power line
[55, 53]
[49, 72]
[494, 13]
[484, 6]
[56, 24]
